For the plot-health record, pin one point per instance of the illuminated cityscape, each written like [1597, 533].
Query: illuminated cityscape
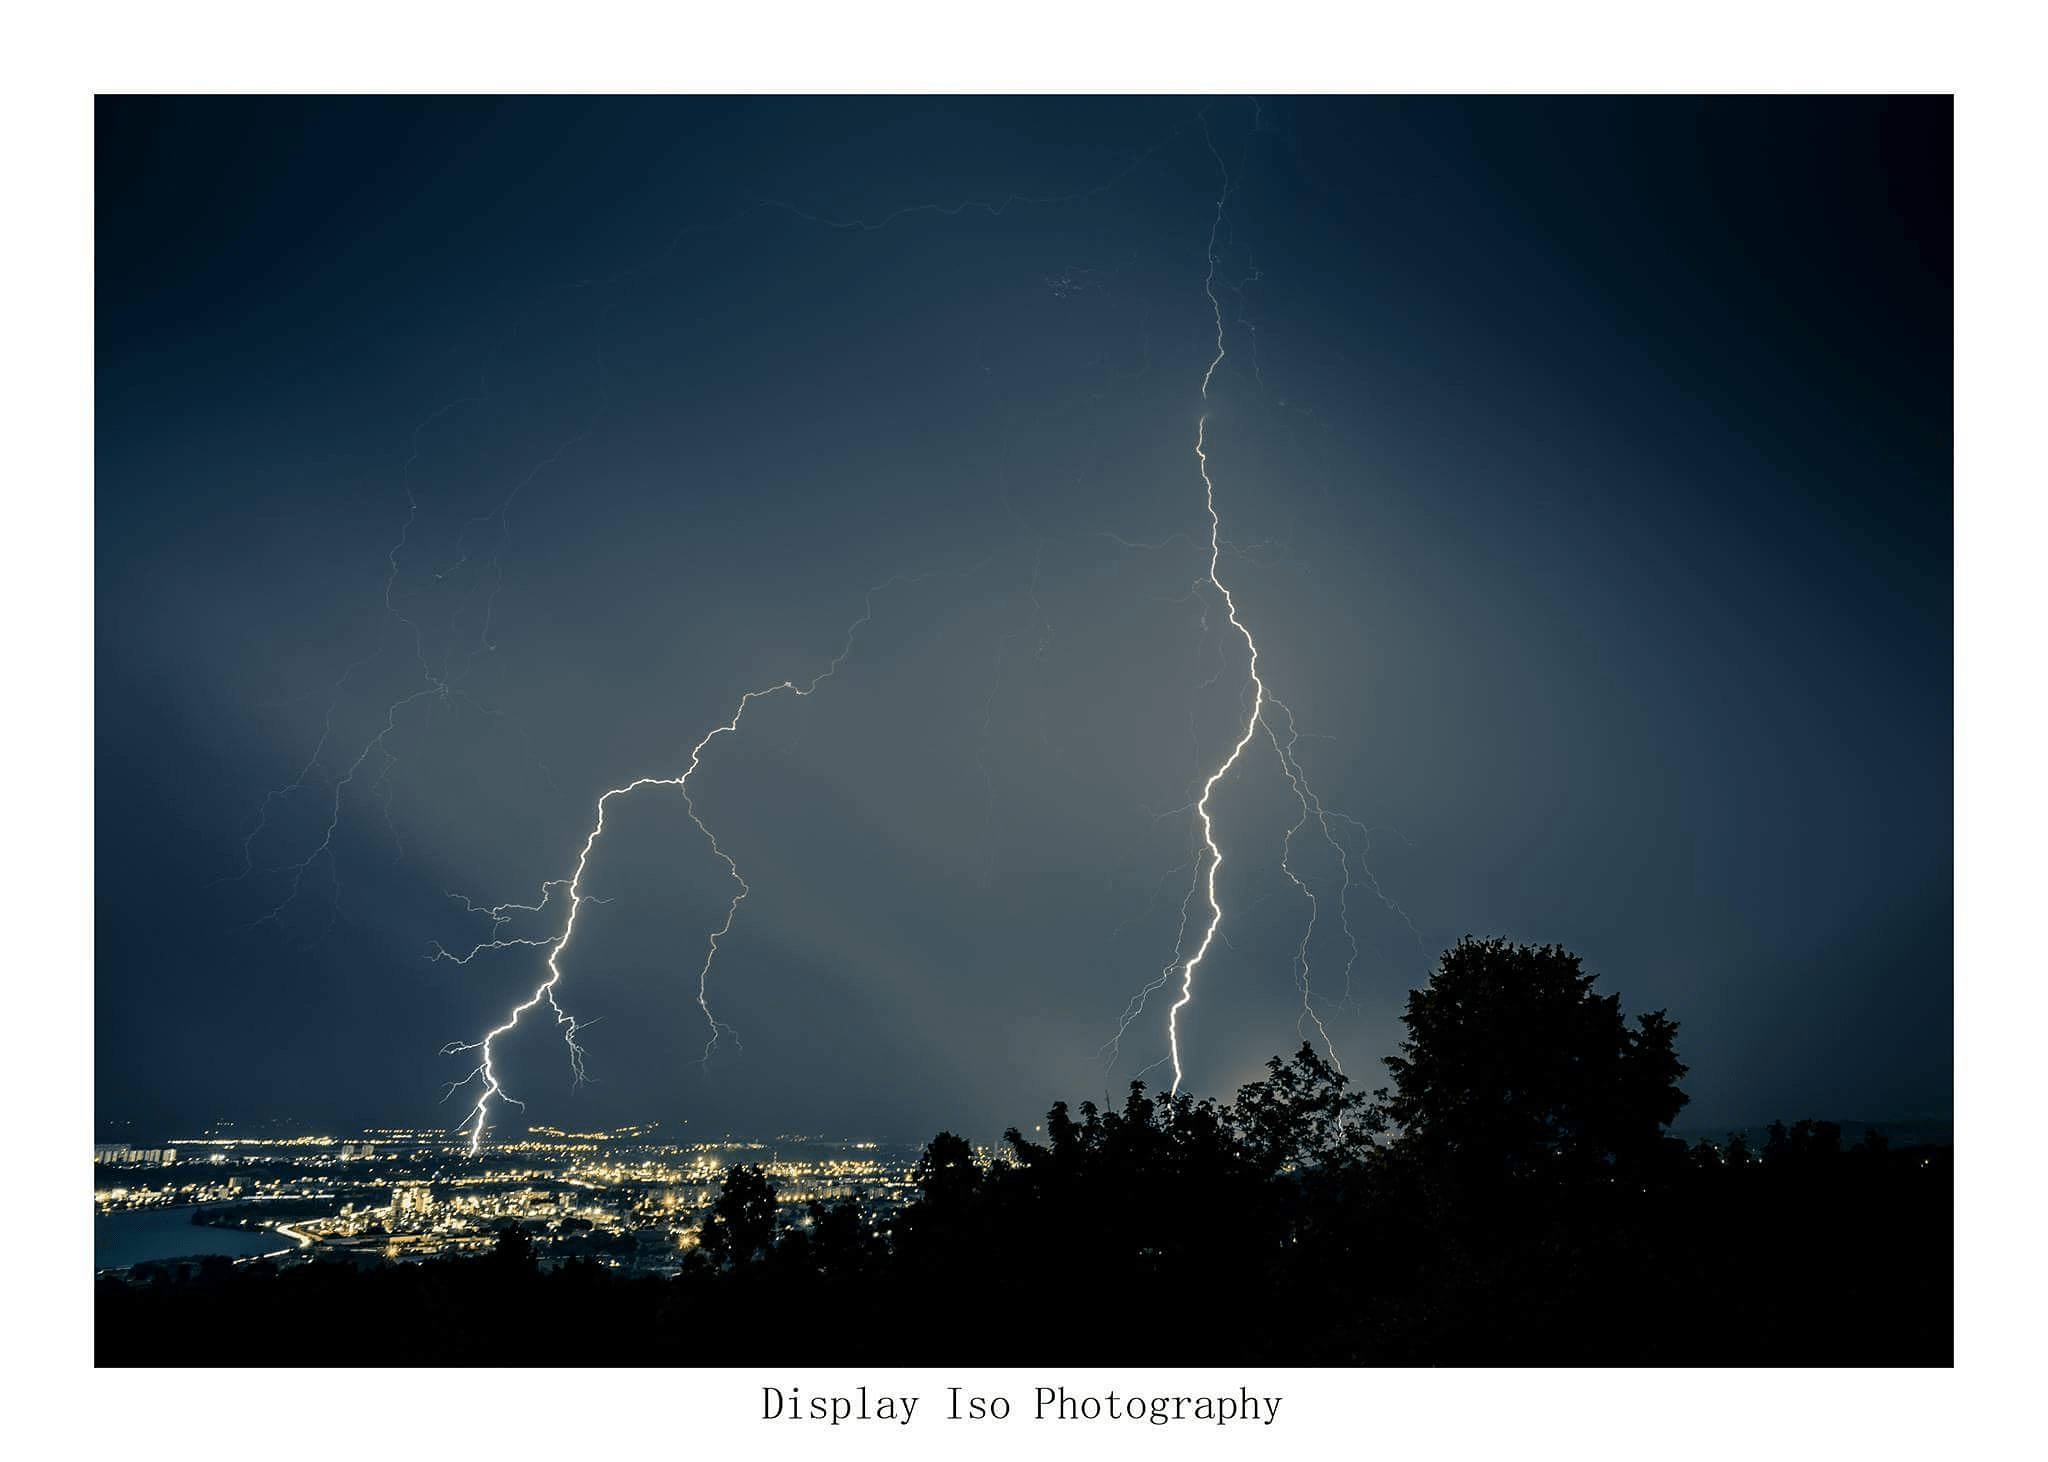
[632, 1198]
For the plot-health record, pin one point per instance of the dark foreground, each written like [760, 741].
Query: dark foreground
[1821, 1257]
[1512, 1200]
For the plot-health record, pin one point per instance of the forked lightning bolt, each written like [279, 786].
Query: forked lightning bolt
[1258, 714]
[486, 1073]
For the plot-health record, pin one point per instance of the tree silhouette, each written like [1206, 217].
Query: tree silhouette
[947, 1174]
[1514, 1068]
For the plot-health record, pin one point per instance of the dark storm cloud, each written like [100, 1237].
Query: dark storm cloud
[1592, 472]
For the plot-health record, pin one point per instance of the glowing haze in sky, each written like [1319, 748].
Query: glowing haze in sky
[1580, 472]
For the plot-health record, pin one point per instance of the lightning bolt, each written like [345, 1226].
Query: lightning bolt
[1259, 705]
[1258, 685]
[485, 1074]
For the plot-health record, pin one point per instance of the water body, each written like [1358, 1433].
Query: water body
[135, 1237]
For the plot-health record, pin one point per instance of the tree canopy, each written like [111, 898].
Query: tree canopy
[1513, 1068]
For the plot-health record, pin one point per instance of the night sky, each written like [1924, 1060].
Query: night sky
[1584, 469]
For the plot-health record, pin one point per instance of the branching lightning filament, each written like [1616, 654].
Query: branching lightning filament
[1259, 704]
[485, 1075]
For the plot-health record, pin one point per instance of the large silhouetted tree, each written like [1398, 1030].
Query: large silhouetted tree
[1514, 1068]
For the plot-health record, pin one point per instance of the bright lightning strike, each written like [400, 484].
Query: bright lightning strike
[485, 1073]
[1208, 861]
[1251, 725]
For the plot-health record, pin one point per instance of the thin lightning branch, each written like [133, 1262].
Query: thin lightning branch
[1311, 806]
[500, 915]
[325, 847]
[1113, 1047]
[1150, 898]
[1122, 542]
[446, 686]
[1372, 880]
[500, 516]
[298, 783]
[391, 569]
